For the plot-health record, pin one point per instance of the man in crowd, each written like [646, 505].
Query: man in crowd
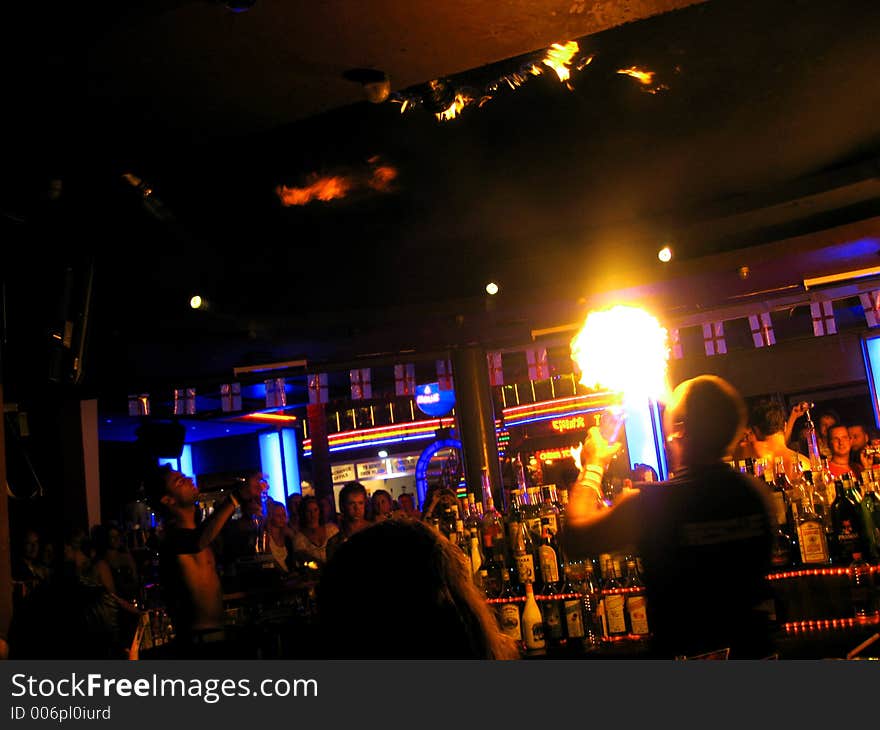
[704, 537]
[840, 443]
[353, 506]
[188, 574]
[767, 421]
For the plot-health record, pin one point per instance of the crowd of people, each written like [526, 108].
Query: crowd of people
[704, 537]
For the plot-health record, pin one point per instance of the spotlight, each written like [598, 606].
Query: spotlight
[383, 454]
[665, 254]
[198, 302]
[492, 288]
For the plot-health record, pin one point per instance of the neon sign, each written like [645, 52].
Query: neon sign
[574, 423]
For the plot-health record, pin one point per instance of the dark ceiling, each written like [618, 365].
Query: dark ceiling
[760, 123]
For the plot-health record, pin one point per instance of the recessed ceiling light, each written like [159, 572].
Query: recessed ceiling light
[665, 254]
[491, 288]
[383, 454]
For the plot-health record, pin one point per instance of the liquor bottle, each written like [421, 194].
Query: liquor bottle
[591, 593]
[508, 612]
[548, 549]
[811, 537]
[636, 606]
[861, 584]
[524, 555]
[492, 532]
[476, 559]
[812, 441]
[846, 517]
[614, 602]
[784, 550]
[818, 501]
[553, 611]
[573, 609]
[532, 512]
[533, 624]
[495, 571]
[870, 506]
[519, 474]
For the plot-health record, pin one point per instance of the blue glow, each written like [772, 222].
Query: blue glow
[292, 483]
[644, 437]
[186, 461]
[174, 463]
[270, 463]
[425, 459]
[871, 356]
[366, 444]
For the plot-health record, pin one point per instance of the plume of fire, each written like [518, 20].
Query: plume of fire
[559, 57]
[379, 177]
[623, 349]
[451, 112]
[645, 78]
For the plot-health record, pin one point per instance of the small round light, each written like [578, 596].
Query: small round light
[383, 454]
[196, 302]
[665, 254]
[491, 288]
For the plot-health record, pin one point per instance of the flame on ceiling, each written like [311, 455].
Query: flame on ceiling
[378, 177]
[645, 78]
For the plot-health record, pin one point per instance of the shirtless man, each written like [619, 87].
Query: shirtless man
[188, 574]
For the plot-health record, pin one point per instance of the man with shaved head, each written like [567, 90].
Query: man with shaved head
[704, 536]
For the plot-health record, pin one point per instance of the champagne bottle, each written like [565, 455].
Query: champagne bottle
[533, 624]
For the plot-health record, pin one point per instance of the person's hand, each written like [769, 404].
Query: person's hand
[798, 410]
[594, 450]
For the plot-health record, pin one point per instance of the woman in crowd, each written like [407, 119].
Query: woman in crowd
[310, 542]
[382, 505]
[280, 536]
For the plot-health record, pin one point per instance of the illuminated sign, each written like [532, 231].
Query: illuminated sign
[342, 473]
[574, 423]
[433, 401]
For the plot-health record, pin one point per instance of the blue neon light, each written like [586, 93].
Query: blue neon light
[644, 438]
[871, 356]
[425, 459]
[291, 462]
[270, 464]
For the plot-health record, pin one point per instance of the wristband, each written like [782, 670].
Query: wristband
[595, 469]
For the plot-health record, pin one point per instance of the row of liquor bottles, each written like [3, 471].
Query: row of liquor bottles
[546, 602]
[821, 519]
[579, 614]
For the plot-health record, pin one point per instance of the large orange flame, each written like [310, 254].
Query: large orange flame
[623, 349]
[559, 57]
[379, 177]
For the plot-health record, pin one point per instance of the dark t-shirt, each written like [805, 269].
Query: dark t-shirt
[705, 548]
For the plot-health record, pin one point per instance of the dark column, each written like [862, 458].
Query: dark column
[475, 416]
[321, 475]
[5, 554]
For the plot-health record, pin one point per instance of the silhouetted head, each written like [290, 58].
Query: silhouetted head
[403, 575]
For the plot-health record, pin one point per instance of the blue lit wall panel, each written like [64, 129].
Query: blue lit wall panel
[291, 461]
[270, 463]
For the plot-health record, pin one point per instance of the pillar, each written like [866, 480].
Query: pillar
[321, 474]
[475, 419]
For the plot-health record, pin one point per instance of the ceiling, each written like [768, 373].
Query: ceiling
[759, 125]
